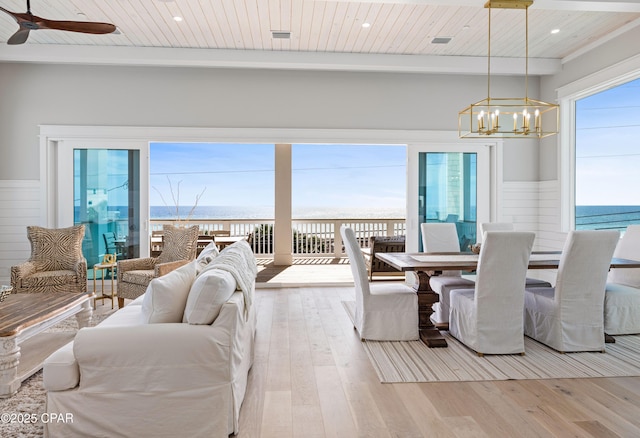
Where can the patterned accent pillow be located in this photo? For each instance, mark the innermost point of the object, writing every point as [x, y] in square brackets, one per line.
[179, 243]
[56, 249]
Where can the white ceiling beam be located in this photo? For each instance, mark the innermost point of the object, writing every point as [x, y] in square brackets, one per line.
[156, 56]
[559, 5]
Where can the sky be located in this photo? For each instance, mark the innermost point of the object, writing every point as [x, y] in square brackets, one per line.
[324, 176]
[608, 147]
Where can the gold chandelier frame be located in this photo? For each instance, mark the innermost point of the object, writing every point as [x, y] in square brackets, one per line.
[513, 117]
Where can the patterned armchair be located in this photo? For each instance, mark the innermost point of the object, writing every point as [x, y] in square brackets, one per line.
[56, 263]
[134, 275]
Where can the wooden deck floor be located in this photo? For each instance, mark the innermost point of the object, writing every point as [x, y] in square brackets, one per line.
[310, 272]
[323, 271]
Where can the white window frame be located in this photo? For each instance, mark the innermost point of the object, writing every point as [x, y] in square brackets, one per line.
[605, 79]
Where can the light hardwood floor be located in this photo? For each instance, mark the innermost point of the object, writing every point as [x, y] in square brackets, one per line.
[311, 378]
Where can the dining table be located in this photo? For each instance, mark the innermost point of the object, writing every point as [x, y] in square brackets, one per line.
[427, 265]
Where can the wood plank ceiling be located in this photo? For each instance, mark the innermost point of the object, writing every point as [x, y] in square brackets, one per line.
[396, 26]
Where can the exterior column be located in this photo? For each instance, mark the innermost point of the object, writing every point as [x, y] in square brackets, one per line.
[282, 236]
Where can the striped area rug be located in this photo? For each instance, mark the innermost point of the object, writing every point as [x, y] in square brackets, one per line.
[413, 361]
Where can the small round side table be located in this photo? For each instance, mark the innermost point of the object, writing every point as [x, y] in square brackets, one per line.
[102, 267]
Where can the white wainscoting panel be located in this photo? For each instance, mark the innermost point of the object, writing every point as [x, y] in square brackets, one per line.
[20, 201]
[535, 206]
[551, 236]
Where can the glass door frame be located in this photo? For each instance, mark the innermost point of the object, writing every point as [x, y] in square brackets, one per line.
[64, 193]
[488, 176]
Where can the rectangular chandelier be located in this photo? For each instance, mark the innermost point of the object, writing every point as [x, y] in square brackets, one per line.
[509, 117]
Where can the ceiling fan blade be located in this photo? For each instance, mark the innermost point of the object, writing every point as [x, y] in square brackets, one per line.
[6, 11]
[28, 21]
[19, 37]
[21, 17]
[76, 26]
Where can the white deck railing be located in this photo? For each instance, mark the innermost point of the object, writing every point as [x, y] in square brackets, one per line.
[311, 237]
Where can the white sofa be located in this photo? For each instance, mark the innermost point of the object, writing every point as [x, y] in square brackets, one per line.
[128, 377]
[622, 295]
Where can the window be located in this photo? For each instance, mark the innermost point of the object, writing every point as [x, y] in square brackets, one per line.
[607, 158]
[106, 199]
[348, 181]
[448, 186]
[225, 180]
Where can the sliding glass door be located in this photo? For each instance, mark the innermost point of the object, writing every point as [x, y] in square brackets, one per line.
[448, 183]
[105, 190]
[448, 192]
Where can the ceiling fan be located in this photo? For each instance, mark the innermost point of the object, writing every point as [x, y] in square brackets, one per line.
[28, 22]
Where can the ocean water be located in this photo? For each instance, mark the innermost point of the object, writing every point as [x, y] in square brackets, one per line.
[267, 212]
[606, 217]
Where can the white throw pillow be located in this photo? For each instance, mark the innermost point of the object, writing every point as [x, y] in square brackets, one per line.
[208, 293]
[166, 296]
[205, 257]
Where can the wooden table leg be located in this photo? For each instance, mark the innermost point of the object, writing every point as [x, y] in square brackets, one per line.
[429, 334]
[9, 358]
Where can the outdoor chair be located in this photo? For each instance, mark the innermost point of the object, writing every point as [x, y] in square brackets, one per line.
[622, 294]
[382, 244]
[203, 241]
[111, 245]
[508, 226]
[384, 312]
[56, 263]
[156, 243]
[570, 316]
[179, 248]
[488, 319]
[443, 237]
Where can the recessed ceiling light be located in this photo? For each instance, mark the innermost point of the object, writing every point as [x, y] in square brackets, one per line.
[366, 25]
[554, 31]
[178, 19]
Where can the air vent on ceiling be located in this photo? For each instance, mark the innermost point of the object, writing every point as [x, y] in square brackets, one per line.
[280, 34]
[441, 40]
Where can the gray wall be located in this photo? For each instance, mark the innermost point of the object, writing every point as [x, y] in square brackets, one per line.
[35, 94]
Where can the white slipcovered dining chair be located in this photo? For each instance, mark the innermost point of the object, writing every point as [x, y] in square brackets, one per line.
[508, 226]
[443, 237]
[622, 294]
[570, 316]
[384, 311]
[496, 226]
[488, 319]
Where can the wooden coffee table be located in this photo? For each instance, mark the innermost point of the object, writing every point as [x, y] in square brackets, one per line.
[25, 315]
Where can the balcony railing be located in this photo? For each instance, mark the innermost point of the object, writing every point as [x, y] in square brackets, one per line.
[310, 237]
